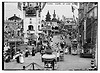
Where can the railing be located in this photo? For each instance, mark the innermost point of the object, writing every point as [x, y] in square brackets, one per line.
[33, 66]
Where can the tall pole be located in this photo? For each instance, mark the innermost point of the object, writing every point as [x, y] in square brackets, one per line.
[36, 22]
[33, 65]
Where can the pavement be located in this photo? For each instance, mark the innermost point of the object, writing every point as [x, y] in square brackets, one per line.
[74, 62]
[70, 61]
[27, 61]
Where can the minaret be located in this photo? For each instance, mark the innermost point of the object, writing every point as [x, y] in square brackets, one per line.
[54, 15]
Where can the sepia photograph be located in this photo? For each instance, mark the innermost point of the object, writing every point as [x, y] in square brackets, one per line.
[49, 36]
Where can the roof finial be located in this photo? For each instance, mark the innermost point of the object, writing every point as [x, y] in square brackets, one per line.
[54, 15]
[14, 14]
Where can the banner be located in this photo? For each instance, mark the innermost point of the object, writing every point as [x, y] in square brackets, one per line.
[43, 5]
[19, 6]
[73, 9]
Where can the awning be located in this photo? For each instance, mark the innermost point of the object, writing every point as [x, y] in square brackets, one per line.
[47, 56]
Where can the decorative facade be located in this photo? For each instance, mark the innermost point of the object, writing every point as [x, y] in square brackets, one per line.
[88, 22]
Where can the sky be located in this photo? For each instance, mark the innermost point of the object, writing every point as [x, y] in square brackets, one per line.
[60, 9]
[10, 9]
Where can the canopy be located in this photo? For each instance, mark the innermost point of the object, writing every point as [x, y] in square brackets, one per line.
[14, 18]
[48, 56]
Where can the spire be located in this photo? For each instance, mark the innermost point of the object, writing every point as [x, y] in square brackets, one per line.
[48, 14]
[54, 15]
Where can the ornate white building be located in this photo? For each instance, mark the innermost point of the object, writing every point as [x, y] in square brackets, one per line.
[31, 19]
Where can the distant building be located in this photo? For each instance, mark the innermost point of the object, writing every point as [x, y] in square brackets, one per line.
[48, 17]
[54, 20]
[13, 27]
[53, 23]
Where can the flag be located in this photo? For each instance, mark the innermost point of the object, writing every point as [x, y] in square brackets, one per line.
[19, 5]
[75, 3]
[43, 5]
[73, 9]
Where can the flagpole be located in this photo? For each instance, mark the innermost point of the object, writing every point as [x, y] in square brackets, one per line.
[22, 9]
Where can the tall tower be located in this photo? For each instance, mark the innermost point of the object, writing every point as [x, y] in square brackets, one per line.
[54, 20]
[54, 15]
[31, 18]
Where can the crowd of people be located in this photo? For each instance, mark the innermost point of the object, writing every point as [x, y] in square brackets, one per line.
[10, 53]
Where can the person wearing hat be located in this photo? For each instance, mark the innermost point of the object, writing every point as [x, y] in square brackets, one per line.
[33, 51]
[26, 52]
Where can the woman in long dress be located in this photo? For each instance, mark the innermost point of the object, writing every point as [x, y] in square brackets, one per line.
[21, 58]
[17, 57]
